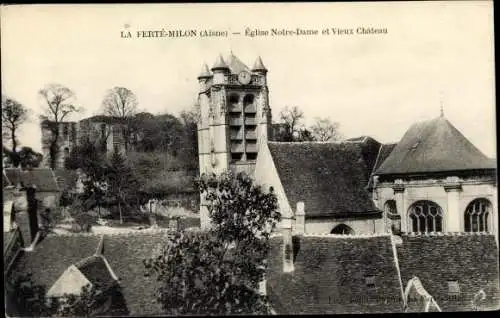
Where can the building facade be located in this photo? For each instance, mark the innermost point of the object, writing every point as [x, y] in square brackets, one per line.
[235, 117]
[106, 131]
[435, 180]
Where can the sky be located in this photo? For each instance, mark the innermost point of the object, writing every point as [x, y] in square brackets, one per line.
[434, 54]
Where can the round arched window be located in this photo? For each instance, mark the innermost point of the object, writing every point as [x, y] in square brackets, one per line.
[425, 216]
[476, 216]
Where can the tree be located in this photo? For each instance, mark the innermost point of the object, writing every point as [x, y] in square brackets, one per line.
[26, 157]
[217, 272]
[14, 115]
[121, 184]
[291, 120]
[121, 102]
[60, 102]
[325, 130]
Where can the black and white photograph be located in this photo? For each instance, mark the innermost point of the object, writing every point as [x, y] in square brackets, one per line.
[249, 159]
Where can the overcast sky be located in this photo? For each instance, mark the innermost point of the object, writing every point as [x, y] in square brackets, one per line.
[375, 85]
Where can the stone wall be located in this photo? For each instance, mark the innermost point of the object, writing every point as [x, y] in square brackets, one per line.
[434, 190]
[326, 225]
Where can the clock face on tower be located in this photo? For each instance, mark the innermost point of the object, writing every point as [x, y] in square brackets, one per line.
[244, 77]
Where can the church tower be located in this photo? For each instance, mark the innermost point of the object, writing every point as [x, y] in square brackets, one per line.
[234, 117]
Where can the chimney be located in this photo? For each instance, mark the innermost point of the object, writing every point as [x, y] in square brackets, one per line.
[300, 218]
[287, 245]
[28, 220]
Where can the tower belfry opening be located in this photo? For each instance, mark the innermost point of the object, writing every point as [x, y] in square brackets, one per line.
[234, 115]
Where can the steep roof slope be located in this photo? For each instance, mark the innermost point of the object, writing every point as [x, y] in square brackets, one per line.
[330, 178]
[235, 64]
[469, 259]
[432, 146]
[330, 276]
[124, 252]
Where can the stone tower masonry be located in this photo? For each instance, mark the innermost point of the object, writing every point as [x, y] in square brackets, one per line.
[234, 117]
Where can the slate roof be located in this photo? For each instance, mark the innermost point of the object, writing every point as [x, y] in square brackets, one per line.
[95, 270]
[14, 175]
[433, 146]
[330, 178]
[329, 276]
[235, 64]
[336, 266]
[384, 152]
[469, 259]
[43, 178]
[124, 252]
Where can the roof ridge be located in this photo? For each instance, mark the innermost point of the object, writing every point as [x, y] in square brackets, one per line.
[351, 236]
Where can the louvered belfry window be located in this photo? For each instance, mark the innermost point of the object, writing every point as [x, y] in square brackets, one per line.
[476, 216]
[425, 217]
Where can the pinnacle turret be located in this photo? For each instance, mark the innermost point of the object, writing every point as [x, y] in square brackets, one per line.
[259, 66]
[220, 64]
[204, 71]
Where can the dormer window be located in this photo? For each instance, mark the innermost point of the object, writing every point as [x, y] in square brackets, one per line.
[370, 281]
[453, 288]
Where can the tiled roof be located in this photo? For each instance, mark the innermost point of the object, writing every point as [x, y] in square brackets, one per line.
[124, 253]
[330, 276]
[43, 178]
[95, 270]
[471, 260]
[330, 178]
[235, 64]
[433, 146]
[384, 152]
[53, 255]
[219, 63]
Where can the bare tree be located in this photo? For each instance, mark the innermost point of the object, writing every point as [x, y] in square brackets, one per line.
[324, 129]
[291, 120]
[121, 102]
[13, 115]
[60, 102]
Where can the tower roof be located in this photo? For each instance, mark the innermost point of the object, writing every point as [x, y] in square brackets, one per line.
[205, 72]
[235, 64]
[434, 146]
[258, 65]
[219, 64]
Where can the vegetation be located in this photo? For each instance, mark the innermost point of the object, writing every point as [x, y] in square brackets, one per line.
[14, 114]
[59, 102]
[291, 120]
[217, 272]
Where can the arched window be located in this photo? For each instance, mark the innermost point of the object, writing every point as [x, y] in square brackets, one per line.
[426, 216]
[476, 216]
[248, 103]
[342, 229]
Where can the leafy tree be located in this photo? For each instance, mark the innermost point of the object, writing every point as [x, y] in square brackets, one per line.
[121, 184]
[121, 102]
[26, 157]
[325, 130]
[59, 103]
[14, 114]
[90, 161]
[218, 271]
